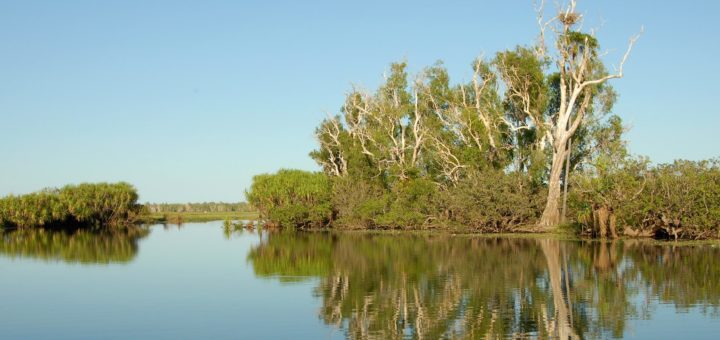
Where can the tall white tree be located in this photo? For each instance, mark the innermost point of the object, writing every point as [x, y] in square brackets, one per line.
[576, 58]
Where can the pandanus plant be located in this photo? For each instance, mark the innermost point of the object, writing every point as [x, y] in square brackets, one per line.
[90, 205]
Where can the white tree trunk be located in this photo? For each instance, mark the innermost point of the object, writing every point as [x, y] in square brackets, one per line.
[551, 214]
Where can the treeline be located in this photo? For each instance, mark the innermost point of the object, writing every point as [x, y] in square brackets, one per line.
[493, 154]
[87, 205]
[632, 197]
[205, 207]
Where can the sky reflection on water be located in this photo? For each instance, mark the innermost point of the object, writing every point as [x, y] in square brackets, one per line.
[198, 282]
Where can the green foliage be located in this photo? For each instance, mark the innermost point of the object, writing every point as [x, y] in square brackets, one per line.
[610, 178]
[94, 206]
[678, 199]
[358, 202]
[421, 152]
[578, 41]
[35, 209]
[493, 201]
[426, 128]
[682, 196]
[101, 204]
[292, 198]
[413, 205]
[488, 200]
[527, 66]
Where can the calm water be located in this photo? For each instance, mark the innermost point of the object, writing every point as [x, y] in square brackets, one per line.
[198, 282]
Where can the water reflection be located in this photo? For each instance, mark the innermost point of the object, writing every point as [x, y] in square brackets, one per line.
[391, 287]
[79, 246]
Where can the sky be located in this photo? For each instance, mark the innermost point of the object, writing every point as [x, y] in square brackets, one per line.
[187, 100]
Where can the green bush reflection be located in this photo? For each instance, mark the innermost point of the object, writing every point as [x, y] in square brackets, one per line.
[443, 286]
[77, 246]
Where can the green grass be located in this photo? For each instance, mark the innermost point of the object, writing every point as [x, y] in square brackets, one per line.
[182, 217]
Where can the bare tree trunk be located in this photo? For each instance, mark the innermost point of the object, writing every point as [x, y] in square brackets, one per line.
[551, 214]
[567, 178]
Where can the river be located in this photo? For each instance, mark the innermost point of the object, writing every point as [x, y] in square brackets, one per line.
[198, 281]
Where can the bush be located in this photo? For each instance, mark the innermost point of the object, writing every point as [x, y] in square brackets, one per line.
[35, 209]
[414, 205]
[489, 200]
[101, 204]
[409, 204]
[494, 201]
[679, 200]
[358, 202]
[85, 205]
[292, 198]
[600, 197]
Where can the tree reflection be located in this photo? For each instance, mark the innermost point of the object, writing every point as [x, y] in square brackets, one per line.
[78, 246]
[440, 286]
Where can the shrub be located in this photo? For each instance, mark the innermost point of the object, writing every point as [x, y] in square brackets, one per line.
[413, 205]
[102, 203]
[679, 200]
[492, 200]
[358, 202]
[35, 209]
[600, 196]
[488, 200]
[85, 205]
[292, 198]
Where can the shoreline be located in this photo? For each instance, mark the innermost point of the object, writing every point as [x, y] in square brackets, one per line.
[561, 234]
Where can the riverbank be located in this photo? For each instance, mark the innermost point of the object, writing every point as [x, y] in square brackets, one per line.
[562, 233]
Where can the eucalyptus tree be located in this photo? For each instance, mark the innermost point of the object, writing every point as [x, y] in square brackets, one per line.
[385, 127]
[580, 76]
[466, 129]
[424, 128]
[518, 113]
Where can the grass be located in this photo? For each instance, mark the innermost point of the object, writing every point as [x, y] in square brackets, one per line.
[181, 217]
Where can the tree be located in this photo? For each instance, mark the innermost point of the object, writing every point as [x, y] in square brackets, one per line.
[580, 74]
[428, 129]
[421, 128]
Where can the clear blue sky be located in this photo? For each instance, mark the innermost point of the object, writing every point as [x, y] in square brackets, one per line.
[188, 100]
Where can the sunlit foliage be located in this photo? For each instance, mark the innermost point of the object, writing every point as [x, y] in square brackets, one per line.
[96, 206]
[292, 198]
